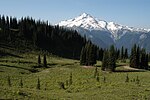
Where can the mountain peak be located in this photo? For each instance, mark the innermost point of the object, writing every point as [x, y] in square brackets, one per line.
[85, 15]
[86, 21]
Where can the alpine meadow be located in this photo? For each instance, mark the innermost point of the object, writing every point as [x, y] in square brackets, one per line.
[81, 58]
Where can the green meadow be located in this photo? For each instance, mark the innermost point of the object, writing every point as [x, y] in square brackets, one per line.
[19, 78]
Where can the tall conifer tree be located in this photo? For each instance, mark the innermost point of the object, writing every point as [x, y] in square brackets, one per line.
[83, 56]
[44, 61]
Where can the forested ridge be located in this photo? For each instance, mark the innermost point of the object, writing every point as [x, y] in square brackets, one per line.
[36, 34]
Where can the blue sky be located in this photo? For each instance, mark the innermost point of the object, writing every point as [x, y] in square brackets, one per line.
[134, 13]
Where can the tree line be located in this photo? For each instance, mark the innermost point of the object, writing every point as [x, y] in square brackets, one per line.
[139, 58]
[36, 34]
[90, 54]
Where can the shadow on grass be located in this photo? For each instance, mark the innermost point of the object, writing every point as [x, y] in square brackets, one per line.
[19, 61]
[2, 54]
[31, 70]
[52, 64]
[124, 71]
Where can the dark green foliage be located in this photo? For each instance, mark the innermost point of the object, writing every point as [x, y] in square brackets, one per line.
[146, 62]
[44, 61]
[143, 56]
[87, 49]
[139, 58]
[122, 52]
[39, 60]
[126, 53]
[97, 77]
[105, 60]
[100, 54]
[38, 84]
[148, 57]
[133, 58]
[117, 53]
[70, 79]
[21, 83]
[9, 81]
[88, 54]
[95, 72]
[112, 59]
[92, 55]
[127, 78]
[109, 60]
[28, 33]
[83, 56]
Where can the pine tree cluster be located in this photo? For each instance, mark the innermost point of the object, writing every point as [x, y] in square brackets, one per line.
[122, 53]
[44, 61]
[109, 59]
[36, 34]
[139, 58]
[89, 54]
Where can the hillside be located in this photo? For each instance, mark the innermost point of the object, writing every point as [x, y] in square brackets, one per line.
[84, 86]
[27, 34]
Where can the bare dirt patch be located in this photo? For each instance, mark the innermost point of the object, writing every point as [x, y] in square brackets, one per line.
[88, 66]
[130, 68]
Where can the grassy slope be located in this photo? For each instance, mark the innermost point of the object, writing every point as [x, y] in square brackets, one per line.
[84, 85]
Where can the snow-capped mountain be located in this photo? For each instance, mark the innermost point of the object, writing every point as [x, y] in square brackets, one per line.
[85, 21]
[105, 33]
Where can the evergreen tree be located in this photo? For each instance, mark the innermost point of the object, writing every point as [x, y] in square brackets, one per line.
[92, 55]
[9, 81]
[28, 33]
[112, 59]
[21, 83]
[83, 56]
[122, 52]
[101, 52]
[38, 84]
[44, 61]
[39, 60]
[117, 53]
[70, 79]
[109, 59]
[97, 54]
[88, 47]
[149, 57]
[95, 72]
[133, 57]
[97, 77]
[146, 62]
[126, 53]
[138, 57]
[105, 60]
[88, 54]
[142, 59]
